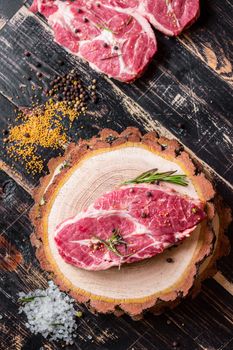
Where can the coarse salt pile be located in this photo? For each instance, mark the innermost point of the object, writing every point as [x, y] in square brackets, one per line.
[50, 312]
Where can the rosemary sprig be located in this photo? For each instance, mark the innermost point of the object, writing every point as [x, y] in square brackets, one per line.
[105, 27]
[153, 176]
[112, 242]
[29, 299]
[110, 57]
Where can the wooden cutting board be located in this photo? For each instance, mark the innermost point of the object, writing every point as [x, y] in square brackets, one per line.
[94, 167]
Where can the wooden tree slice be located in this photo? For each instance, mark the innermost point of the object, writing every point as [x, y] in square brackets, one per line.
[91, 168]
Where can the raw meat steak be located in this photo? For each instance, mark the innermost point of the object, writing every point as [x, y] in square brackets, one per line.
[118, 44]
[170, 17]
[137, 221]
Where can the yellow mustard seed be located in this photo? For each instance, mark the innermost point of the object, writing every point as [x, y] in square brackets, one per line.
[39, 127]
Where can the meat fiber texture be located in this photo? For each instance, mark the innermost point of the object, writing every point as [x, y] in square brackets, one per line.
[115, 43]
[114, 36]
[170, 17]
[147, 218]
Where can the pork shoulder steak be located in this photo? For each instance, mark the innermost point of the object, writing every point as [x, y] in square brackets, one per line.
[116, 43]
[170, 17]
[126, 225]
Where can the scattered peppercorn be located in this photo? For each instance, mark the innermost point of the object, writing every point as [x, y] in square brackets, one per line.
[40, 127]
[170, 260]
[175, 344]
[149, 194]
[180, 126]
[71, 90]
[43, 126]
[27, 53]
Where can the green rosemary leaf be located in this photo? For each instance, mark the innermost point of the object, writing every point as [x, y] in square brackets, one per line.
[112, 242]
[153, 176]
[104, 27]
[29, 299]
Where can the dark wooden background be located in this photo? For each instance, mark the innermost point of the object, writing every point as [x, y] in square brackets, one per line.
[186, 93]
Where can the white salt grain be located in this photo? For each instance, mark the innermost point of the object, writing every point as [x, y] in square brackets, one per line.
[50, 313]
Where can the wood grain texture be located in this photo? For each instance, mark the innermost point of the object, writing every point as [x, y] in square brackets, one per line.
[209, 38]
[110, 163]
[188, 90]
[168, 93]
[8, 10]
[105, 332]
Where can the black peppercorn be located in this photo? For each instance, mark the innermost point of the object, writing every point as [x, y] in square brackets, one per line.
[149, 194]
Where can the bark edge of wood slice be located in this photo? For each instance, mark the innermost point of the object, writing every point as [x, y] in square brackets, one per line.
[141, 280]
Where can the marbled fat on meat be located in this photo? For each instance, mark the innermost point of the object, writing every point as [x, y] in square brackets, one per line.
[149, 219]
[116, 43]
[170, 17]
[114, 36]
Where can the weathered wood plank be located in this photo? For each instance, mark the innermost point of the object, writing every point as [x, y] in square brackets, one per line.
[188, 87]
[212, 324]
[162, 101]
[192, 103]
[8, 9]
[229, 346]
[210, 39]
[209, 314]
[154, 339]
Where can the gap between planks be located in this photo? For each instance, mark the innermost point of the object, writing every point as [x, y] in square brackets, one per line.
[139, 114]
[219, 278]
[151, 125]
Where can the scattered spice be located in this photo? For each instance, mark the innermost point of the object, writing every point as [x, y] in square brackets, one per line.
[27, 53]
[111, 243]
[175, 344]
[79, 314]
[70, 88]
[180, 126]
[44, 126]
[39, 127]
[169, 260]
